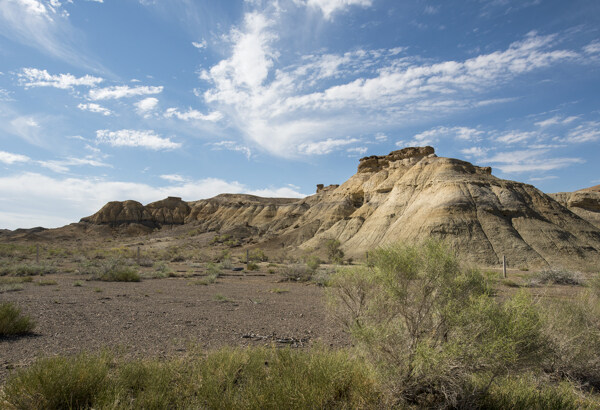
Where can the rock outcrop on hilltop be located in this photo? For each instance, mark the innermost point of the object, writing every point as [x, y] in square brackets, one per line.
[408, 195]
[585, 203]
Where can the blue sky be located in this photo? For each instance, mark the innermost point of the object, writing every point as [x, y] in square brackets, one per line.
[140, 99]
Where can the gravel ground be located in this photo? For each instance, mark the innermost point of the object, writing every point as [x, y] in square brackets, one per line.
[163, 317]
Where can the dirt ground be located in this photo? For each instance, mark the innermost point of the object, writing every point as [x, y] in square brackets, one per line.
[163, 317]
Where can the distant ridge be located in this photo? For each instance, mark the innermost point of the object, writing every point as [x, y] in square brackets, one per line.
[408, 195]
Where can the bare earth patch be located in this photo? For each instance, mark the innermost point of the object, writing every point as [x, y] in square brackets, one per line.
[161, 317]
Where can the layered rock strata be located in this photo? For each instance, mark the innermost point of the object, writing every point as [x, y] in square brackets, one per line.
[408, 195]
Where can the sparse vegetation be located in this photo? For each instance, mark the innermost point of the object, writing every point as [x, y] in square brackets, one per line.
[13, 322]
[252, 266]
[207, 280]
[559, 276]
[334, 253]
[437, 338]
[27, 270]
[227, 378]
[47, 282]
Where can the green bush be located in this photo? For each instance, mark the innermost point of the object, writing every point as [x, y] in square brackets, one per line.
[257, 255]
[115, 270]
[60, 383]
[13, 322]
[313, 262]
[258, 378]
[334, 253]
[252, 266]
[429, 325]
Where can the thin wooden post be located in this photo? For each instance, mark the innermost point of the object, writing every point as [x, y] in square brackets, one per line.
[138, 255]
[37, 253]
[247, 257]
[367, 254]
[504, 265]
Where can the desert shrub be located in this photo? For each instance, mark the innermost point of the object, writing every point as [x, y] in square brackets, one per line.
[252, 266]
[114, 270]
[145, 262]
[13, 322]
[297, 272]
[533, 391]
[313, 262]
[226, 263]
[559, 276]
[213, 269]
[429, 325]
[258, 378]
[47, 282]
[573, 328]
[334, 253]
[207, 280]
[27, 270]
[257, 255]
[162, 270]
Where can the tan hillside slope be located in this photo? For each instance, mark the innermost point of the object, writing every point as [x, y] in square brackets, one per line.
[585, 203]
[408, 195]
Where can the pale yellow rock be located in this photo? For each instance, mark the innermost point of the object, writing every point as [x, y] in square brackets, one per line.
[406, 196]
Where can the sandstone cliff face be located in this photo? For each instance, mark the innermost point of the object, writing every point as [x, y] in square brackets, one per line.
[585, 203]
[408, 195]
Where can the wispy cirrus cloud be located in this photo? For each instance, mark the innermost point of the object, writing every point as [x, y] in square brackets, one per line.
[135, 138]
[123, 91]
[287, 110]
[44, 25]
[329, 7]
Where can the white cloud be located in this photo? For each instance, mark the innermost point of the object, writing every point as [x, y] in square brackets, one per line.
[134, 138]
[357, 150]
[123, 91]
[529, 160]
[93, 107]
[556, 120]
[433, 135]
[283, 108]
[173, 178]
[476, 152]
[191, 114]
[33, 77]
[145, 106]
[5, 95]
[62, 166]
[592, 48]
[588, 132]
[381, 137]
[328, 7]
[45, 26]
[325, 146]
[10, 158]
[199, 45]
[81, 197]
[512, 137]
[232, 146]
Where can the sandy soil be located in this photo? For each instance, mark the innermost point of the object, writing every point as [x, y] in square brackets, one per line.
[161, 317]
